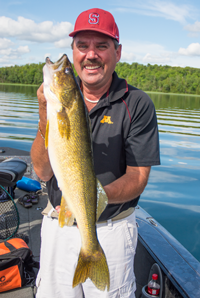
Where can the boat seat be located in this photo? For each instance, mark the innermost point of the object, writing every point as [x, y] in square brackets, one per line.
[11, 170]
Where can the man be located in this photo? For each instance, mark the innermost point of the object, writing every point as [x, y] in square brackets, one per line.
[125, 146]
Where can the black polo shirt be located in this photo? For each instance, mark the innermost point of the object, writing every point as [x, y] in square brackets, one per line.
[124, 132]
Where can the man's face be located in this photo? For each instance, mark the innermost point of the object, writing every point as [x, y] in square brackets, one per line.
[95, 58]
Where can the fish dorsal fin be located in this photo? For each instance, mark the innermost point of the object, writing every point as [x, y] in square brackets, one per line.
[102, 199]
[47, 134]
[63, 123]
[66, 218]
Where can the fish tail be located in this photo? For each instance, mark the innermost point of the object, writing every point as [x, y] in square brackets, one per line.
[94, 267]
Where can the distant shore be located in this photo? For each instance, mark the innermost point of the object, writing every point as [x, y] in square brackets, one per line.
[170, 93]
[154, 92]
[155, 78]
[17, 84]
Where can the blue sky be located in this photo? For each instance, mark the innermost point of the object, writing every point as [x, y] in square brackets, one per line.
[151, 31]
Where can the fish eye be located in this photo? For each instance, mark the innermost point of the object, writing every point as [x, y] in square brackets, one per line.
[68, 70]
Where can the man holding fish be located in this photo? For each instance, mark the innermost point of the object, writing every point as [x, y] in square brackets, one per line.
[97, 140]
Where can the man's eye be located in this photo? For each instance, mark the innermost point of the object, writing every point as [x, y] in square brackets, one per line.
[102, 47]
[82, 47]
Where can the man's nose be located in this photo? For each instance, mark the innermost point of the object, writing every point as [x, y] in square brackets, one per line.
[91, 53]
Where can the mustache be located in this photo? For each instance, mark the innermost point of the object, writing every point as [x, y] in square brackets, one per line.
[91, 62]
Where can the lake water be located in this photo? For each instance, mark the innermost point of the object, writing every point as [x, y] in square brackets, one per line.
[172, 195]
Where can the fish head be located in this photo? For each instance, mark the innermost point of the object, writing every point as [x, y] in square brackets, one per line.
[59, 81]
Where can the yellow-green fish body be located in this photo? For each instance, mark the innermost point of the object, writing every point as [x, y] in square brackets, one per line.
[68, 140]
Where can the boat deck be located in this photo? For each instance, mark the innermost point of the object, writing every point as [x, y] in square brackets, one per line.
[30, 218]
[29, 228]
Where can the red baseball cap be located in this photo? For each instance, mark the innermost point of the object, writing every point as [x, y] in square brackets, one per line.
[96, 19]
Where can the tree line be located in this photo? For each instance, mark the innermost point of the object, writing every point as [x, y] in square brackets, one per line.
[161, 78]
[146, 77]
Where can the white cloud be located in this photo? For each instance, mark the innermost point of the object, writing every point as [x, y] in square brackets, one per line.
[5, 43]
[128, 56]
[142, 47]
[156, 59]
[12, 52]
[145, 52]
[192, 50]
[26, 29]
[193, 28]
[63, 43]
[169, 10]
[5, 62]
[23, 49]
[6, 52]
[157, 8]
[153, 53]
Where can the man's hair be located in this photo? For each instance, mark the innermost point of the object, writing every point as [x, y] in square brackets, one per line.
[116, 44]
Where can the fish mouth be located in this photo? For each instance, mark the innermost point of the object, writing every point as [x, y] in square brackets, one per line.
[57, 76]
[48, 61]
[62, 63]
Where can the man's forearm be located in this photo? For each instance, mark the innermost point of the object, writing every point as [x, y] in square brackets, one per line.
[40, 159]
[129, 186]
[39, 154]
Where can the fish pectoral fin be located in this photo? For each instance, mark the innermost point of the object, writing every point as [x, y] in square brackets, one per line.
[63, 124]
[102, 199]
[47, 134]
[66, 218]
[95, 268]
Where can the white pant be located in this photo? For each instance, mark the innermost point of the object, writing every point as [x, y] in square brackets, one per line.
[60, 249]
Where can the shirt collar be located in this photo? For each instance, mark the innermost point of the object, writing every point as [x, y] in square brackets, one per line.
[116, 91]
[118, 88]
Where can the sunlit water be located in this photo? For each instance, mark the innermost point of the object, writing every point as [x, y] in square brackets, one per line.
[172, 195]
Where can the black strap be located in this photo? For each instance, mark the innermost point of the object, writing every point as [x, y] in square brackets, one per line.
[34, 264]
[8, 256]
[9, 246]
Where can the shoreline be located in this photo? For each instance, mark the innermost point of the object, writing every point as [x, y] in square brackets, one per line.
[154, 92]
[18, 84]
[170, 93]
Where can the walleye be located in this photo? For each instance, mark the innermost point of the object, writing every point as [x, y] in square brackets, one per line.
[68, 139]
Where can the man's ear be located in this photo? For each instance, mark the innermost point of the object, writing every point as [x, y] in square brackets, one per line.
[118, 52]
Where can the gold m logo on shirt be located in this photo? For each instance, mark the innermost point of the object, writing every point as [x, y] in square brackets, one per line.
[106, 119]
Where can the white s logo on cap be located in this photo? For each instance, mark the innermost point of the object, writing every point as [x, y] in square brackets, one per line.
[93, 18]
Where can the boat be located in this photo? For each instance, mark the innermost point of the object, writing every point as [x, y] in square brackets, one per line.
[157, 250]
